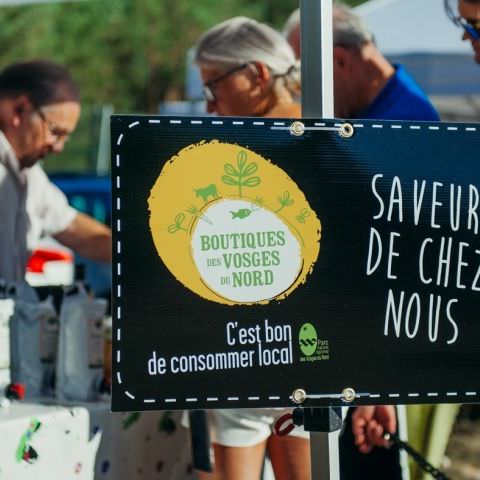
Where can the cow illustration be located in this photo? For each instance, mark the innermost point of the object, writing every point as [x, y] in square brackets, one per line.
[210, 191]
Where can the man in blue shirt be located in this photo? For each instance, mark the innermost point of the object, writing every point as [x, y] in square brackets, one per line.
[400, 99]
[366, 84]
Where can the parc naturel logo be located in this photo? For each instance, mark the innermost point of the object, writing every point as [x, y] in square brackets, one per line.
[308, 339]
[313, 348]
[231, 226]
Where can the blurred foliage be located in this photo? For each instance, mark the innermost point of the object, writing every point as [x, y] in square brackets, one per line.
[127, 52]
[130, 53]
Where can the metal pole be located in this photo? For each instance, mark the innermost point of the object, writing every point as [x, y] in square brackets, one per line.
[324, 455]
[402, 431]
[103, 151]
[317, 101]
[317, 58]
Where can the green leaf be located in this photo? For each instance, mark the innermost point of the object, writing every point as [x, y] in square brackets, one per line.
[231, 170]
[251, 182]
[179, 218]
[229, 181]
[241, 160]
[250, 170]
[172, 229]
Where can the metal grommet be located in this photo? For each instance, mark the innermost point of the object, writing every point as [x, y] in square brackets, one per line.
[348, 395]
[299, 395]
[346, 130]
[297, 128]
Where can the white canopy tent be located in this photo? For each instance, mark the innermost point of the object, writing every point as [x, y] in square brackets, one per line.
[412, 26]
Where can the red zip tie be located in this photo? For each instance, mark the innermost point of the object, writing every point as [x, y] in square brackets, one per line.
[277, 427]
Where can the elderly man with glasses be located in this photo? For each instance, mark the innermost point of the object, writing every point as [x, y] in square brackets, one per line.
[39, 109]
[366, 84]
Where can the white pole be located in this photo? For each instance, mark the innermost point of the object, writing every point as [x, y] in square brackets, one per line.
[317, 101]
[317, 58]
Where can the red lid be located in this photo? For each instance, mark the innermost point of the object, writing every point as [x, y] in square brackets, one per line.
[15, 391]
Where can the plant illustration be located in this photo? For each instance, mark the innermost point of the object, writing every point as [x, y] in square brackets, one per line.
[257, 204]
[302, 216]
[284, 201]
[238, 176]
[175, 227]
[193, 210]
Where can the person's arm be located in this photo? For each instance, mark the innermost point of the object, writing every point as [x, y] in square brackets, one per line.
[369, 425]
[48, 206]
[87, 237]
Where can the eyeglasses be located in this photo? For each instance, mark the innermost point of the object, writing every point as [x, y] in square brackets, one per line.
[209, 87]
[470, 26]
[55, 131]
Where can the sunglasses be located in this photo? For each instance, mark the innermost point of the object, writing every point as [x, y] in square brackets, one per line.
[470, 26]
[209, 87]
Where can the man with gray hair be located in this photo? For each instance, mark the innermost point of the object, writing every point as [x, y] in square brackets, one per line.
[366, 85]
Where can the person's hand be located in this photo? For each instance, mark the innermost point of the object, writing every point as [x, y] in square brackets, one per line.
[369, 425]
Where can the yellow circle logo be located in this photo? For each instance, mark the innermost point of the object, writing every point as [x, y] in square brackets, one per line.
[231, 226]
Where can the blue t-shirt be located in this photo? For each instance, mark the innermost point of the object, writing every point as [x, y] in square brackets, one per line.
[400, 99]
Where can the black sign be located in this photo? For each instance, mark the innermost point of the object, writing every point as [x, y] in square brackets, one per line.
[252, 260]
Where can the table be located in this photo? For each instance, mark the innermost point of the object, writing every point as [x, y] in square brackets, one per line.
[84, 441]
[46, 442]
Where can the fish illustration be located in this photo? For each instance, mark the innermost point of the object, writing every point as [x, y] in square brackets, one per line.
[241, 214]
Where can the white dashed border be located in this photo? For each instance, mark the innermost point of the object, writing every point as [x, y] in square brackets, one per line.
[274, 125]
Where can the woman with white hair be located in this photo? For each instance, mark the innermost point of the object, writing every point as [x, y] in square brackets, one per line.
[248, 69]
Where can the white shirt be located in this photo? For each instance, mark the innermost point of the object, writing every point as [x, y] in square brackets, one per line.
[30, 207]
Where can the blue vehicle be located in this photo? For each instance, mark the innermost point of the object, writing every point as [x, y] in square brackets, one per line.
[90, 194]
